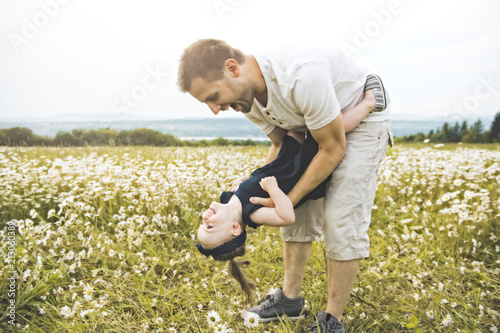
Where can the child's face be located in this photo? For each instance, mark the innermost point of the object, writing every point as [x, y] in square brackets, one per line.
[218, 225]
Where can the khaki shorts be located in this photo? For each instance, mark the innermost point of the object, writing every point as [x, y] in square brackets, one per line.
[344, 214]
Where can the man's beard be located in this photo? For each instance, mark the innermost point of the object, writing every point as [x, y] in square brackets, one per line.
[245, 97]
[241, 106]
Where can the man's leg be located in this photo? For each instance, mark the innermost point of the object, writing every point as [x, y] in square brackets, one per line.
[348, 204]
[297, 245]
[295, 255]
[286, 300]
[340, 280]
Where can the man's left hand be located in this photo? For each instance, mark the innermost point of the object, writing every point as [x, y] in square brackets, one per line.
[266, 202]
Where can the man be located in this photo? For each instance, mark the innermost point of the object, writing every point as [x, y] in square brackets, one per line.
[303, 87]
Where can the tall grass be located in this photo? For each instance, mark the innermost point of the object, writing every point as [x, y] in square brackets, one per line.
[105, 243]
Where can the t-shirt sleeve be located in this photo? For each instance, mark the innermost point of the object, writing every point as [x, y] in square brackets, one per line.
[314, 94]
[260, 121]
[225, 197]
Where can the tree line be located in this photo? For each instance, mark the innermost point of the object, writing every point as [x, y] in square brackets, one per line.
[474, 133]
[21, 136]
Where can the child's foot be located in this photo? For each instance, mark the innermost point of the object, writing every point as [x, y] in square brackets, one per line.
[374, 82]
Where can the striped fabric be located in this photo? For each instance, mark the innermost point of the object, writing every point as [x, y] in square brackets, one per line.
[374, 82]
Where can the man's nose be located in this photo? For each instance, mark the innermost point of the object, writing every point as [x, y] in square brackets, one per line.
[214, 107]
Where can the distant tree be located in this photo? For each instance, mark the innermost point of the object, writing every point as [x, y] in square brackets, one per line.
[66, 139]
[248, 142]
[78, 135]
[455, 135]
[123, 138]
[446, 133]
[4, 141]
[220, 142]
[473, 136]
[431, 135]
[419, 137]
[495, 129]
[101, 137]
[478, 125]
[439, 136]
[166, 140]
[465, 129]
[143, 136]
[21, 136]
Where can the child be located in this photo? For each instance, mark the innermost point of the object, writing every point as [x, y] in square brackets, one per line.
[222, 230]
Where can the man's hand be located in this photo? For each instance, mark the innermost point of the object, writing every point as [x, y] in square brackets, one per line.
[266, 202]
[237, 183]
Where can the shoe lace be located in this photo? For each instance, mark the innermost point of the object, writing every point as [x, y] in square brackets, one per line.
[323, 328]
[269, 302]
[312, 328]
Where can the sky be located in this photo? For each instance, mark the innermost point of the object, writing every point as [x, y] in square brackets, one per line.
[120, 57]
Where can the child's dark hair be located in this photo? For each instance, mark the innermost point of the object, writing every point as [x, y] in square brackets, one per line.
[235, 268]
[227, 252]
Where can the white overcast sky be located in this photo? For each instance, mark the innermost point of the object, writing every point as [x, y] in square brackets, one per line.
[85, 56]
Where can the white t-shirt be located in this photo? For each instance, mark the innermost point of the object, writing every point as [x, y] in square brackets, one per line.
[308, 85]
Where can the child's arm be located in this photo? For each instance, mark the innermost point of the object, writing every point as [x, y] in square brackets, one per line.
[282, 213]
[354, 116]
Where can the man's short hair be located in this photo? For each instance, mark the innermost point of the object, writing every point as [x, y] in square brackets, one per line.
[205, 58]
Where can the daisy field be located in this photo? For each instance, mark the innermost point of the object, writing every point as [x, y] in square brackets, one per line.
[103, 240]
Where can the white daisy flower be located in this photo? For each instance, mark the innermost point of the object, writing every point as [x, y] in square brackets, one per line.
[66, 312]
[251, 319]
[213, 318]
[447, 321]
[87, 292]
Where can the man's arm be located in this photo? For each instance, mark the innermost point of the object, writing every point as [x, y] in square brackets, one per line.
[331, 141]
[276, 137]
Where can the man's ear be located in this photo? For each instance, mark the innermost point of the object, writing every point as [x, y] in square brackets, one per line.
[232, 67]
[236, 229]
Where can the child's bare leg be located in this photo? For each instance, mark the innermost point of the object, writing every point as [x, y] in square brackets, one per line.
[355, 115]
[375, 100]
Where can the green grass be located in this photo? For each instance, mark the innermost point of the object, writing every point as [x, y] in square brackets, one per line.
[129, 216]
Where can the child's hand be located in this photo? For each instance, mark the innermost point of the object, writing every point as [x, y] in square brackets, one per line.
[268, 183]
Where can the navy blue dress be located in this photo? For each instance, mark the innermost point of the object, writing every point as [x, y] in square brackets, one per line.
[293, 159]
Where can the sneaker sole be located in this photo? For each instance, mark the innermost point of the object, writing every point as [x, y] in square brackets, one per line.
[269, 319]
[380, 93]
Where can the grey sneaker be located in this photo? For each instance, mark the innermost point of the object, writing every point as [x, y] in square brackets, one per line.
[374, 82]
[326, 323]
[276, 305]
